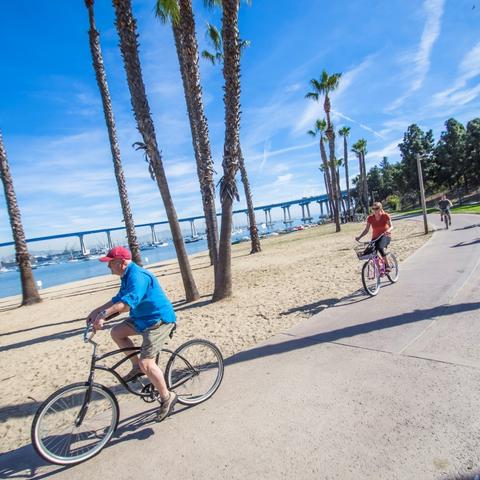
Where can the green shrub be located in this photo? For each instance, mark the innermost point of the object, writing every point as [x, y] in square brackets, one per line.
[393, 203]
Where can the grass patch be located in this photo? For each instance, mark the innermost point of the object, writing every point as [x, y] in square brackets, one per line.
[415, 211]
[467, 209]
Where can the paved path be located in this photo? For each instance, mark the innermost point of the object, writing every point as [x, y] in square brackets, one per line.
[372, 388]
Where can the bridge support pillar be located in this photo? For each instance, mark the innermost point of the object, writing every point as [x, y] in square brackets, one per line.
[287, 219]
[154, 235]
[109, 240]
[193, 230]
[82, 245]
[309, 216]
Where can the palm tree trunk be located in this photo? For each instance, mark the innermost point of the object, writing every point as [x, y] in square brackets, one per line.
[187, 50]
[231, 148]
[326, 172]
[327, 189]
[331, 144]
[126, 27]
[112, 134]
[347, 180]
[255, 240]
[340, 197]
[365, 182]
[29, 289]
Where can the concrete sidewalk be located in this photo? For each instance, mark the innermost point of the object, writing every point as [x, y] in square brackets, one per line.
[371, 388]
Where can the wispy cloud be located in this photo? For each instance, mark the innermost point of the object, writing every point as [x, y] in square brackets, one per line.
[468, 69]
[388, 150]
[419, 61]
[361, 125]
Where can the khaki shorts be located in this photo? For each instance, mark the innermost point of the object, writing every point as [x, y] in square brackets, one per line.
[154, 338]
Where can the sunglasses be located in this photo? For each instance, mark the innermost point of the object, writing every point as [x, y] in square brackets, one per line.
[375, 208]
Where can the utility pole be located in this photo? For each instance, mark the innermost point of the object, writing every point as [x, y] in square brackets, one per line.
[422, 193]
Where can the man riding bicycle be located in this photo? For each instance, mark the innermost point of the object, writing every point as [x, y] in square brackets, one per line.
[445, 205]
[381, 224]
[151, 315]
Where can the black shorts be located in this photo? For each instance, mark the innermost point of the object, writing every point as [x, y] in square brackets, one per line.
[382, 243]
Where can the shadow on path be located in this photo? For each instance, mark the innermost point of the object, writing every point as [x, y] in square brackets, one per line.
[351, 331]
[465, 244]
[24, 462]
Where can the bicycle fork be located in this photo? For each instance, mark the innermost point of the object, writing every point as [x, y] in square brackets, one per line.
[88, 394]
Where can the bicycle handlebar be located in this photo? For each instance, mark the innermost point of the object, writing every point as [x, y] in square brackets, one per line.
[89, 328]
[373, 240]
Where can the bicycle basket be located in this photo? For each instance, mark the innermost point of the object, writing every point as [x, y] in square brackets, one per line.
[363, 253]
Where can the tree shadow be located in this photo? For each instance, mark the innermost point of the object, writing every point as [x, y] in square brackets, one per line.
[351, 331]
[465, 244]
[42, 326]
[467, 227]
[24, 462]
[463, 476]
[316, 307]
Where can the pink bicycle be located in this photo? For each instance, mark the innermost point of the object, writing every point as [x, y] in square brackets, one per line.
[374, 268]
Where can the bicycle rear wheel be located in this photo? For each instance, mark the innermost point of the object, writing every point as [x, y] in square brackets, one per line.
[445, 219]
[195, 371]
[58, 439]
[371, 277]
[393, 264]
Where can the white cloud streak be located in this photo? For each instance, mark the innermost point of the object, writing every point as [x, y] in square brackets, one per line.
[420, 60]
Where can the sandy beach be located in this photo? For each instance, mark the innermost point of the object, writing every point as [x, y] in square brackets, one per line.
[294, 277]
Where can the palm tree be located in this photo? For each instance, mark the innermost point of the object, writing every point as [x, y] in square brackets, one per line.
[360, 149]
[231, 147]
[323, 86]
[99, 68]
[29, 289]
[180, 14]
[127, 31]
[319, 129]
[345, 132]
[216, 39]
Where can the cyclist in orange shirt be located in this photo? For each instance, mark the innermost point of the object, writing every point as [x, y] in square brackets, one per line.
[381, 224]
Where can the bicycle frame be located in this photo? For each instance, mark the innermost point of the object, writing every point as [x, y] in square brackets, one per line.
[112, 370]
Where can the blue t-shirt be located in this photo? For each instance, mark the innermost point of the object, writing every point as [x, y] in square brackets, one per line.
[148, 303]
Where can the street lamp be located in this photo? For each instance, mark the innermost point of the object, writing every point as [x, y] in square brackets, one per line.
[422, 193]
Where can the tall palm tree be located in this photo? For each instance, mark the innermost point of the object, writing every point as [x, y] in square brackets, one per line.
[360, 149]
[127, 31]
[101, 76]
[215, 38]
[324, 86]
[29, 289]
[319, 129]
[345, 132]
[181, 16]
[231, 147]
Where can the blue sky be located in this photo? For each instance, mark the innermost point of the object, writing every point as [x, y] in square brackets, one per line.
[403, 61]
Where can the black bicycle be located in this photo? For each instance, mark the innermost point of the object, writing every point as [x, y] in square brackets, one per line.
[446, 217]
[77, 421]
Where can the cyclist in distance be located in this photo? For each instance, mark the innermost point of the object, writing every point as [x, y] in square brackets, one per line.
[151, 316]
[445, 205]
[381, 224]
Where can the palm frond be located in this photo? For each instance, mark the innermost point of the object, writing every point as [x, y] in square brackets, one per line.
[142, 146]
[167, 10]
[209, 56]
[212, 3]
[313, 95]
[312, 133]
[215, 36]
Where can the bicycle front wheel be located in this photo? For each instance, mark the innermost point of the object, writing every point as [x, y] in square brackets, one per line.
[195, 371]
[370, 277]
[57, 434]
[393, 264]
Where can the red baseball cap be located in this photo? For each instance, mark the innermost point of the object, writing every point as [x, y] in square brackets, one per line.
[121, 253]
